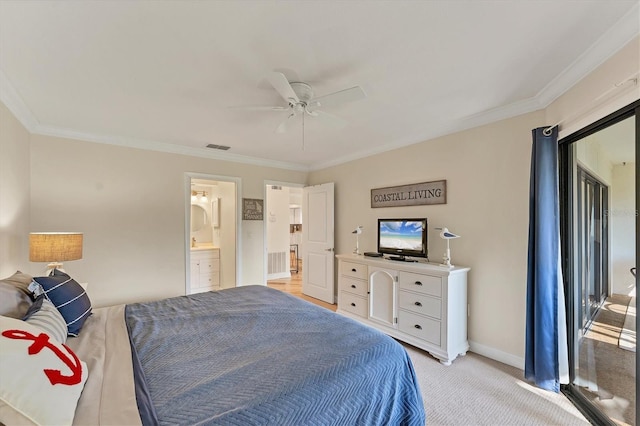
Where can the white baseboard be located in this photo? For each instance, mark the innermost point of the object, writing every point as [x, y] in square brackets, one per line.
[278, 276]
[498, 355]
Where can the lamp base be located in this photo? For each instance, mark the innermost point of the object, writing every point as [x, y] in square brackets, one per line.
[53, 266]
[446, 258]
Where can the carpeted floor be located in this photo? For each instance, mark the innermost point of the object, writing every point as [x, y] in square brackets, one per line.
[476, 390]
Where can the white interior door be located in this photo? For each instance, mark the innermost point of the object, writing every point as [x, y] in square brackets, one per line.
[317, 239]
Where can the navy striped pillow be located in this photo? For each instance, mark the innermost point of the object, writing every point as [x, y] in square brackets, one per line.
[68, 297]
[45, 316]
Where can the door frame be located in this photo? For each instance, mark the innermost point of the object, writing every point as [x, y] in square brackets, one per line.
[265, 255]
[568, 201]
[188, 177]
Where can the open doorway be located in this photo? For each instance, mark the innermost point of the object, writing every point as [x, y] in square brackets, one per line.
[211, 233]
[308, 243]
[283, 230]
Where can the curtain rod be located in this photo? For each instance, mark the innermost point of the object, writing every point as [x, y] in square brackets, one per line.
[633, 77]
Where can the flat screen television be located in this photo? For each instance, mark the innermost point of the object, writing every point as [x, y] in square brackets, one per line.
[402, 238]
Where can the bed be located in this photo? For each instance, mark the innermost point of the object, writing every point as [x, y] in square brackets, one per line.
[243, 356]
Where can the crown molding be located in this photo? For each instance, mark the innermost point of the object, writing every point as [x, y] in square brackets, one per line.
[614, 39]
[438, 130]
[12, 99]
[151, 145]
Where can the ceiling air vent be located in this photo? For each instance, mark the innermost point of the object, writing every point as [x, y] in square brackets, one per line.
[220, 147]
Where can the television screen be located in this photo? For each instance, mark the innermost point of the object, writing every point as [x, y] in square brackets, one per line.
[403, 237]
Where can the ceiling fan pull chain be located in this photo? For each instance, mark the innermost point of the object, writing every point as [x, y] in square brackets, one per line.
[303, 131]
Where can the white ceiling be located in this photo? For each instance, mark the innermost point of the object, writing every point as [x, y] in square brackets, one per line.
[162, 75]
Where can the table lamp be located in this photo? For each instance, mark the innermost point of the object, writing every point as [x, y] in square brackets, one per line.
[446, 235]
[55, 247]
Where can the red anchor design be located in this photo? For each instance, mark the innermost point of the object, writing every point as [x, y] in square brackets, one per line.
[40, 342]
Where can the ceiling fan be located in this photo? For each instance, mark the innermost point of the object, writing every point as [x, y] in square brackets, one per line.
[301, 102]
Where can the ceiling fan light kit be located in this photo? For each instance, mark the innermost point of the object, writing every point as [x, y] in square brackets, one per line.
[300, 99]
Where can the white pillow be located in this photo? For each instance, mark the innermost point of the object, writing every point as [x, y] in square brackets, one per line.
[43, 385]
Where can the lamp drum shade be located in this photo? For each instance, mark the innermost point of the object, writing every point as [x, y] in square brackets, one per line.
[55, 246]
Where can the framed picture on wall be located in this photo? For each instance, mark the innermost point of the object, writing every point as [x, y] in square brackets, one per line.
[252, 209]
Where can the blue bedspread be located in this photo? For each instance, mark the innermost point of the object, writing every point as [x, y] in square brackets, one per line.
[255, 356]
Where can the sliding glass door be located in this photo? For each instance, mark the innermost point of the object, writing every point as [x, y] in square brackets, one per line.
[599, 223]
[593, 259]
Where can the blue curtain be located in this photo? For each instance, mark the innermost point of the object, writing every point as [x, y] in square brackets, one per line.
[546, 362]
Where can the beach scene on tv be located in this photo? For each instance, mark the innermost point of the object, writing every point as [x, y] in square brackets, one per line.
[401, 235]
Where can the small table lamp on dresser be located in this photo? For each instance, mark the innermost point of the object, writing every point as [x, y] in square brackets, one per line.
[55, 247]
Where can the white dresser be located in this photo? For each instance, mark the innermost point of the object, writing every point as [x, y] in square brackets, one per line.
[205, 270]
[422, 304]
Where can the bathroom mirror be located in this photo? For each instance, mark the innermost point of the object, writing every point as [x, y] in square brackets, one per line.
[198, 217]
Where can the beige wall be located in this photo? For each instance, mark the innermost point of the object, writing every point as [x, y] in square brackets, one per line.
[622, 216]
[130, 205]
[487, 173]
[593, 158]
[15, 184]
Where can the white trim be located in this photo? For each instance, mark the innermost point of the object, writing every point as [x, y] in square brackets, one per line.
[498, 355]
[621, 33]
[10, 97]
[151, 145]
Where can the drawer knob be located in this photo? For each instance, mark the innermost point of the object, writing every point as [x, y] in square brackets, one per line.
[353, 270]
[418, 326]
[353, 304]
[418, 283]
[353, 286]
[418, 304]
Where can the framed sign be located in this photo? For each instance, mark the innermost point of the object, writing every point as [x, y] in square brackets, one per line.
[252, 209]
[417, 194]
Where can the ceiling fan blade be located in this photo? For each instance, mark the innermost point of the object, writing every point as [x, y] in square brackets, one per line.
[259, 108]
[282, 127]
[328, 120]
[347, 95]
[281, 84]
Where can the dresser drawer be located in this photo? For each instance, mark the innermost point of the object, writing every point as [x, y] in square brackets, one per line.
[419, 326]
[355, 304]
[353, 286]
[353, 270]
[420, 304]
[427, 284]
